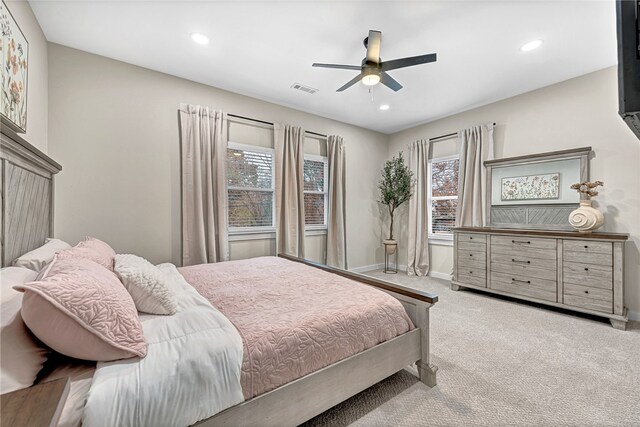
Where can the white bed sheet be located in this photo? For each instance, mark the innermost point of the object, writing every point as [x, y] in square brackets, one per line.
[191, 371]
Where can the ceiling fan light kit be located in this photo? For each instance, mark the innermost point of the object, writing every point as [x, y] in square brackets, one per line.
[373, 70]
[370, 77]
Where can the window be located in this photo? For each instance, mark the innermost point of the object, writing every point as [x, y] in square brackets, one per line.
[250, 187]
[443, 198]
[315, 191]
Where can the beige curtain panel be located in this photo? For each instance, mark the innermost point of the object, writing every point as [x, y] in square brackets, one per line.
[336, 214]
[203, 142]
[289, 143]
[476, 146]
[418, 251]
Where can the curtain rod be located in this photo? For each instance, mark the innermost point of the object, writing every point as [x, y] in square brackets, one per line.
[437, 138]
[449, 135]
[270, 124]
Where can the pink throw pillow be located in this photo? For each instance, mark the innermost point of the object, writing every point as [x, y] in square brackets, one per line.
[81, 309]
[92, 249]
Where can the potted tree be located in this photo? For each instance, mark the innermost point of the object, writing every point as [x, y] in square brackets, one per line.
[395, 189]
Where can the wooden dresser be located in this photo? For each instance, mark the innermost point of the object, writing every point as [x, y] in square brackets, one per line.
[576, 271]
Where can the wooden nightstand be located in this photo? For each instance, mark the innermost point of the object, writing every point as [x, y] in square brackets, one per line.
[36, 406]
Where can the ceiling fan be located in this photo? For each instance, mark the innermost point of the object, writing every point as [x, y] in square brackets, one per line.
[373, 70]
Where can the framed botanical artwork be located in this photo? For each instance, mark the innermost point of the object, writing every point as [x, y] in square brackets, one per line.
[531, 187]
[15, 72]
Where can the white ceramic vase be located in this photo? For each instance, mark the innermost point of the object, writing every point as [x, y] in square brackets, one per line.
[585, 219]
[390, 245]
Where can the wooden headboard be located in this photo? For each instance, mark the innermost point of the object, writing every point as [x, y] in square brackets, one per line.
[26, 186]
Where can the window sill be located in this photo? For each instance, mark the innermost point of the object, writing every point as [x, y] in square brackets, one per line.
[315, 231]
[439, 240]
[237, 235]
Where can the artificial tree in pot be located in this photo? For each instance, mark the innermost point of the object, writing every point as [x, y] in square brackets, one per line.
[395, 187]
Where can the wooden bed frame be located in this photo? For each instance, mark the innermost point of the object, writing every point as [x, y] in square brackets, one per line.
[306, 397]
[26, 205]
[27, 219]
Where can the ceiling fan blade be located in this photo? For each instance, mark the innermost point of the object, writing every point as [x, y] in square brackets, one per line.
[390, 82]
[338, 66]
[408, 62]
[351, 82]
[373, 46]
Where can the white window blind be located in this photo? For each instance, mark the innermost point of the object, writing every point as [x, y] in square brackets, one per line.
[443, 174]
[315, 191]
[250, 185]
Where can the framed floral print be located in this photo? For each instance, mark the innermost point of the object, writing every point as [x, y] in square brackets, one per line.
[531, 187]
[15, 73]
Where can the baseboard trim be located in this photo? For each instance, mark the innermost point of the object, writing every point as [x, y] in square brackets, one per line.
[401, 269]
[366, 268]
[634, 315]
[440, 275]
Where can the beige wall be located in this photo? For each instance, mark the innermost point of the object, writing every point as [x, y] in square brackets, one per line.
[37, 87]
[114, 128]
[575, 113]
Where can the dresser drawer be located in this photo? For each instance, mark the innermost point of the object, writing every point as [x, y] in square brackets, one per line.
[587, 258]
[516, 258]
[479, 273]
[524, 285]
[470, 237]
[472, 256]
[588, 297]
[598, 276]
[473, 246]
[519, 242]
[524, 253]
[525, 270]
[472, 280]
[587, 247]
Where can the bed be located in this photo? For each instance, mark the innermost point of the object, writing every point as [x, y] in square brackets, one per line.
[303, 377]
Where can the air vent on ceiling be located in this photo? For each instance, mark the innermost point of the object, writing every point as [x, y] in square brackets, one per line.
[304, 88]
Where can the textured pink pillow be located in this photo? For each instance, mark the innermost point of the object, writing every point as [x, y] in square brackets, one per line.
[81, 309]
[92, 249]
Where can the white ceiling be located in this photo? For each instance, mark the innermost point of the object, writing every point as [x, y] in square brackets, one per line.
[261, 48]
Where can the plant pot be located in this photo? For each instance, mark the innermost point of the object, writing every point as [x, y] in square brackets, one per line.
[585, 219]
[390, 246]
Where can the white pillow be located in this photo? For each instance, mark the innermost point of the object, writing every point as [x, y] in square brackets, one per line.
[21, 357]
[36, 259]
[148, 286]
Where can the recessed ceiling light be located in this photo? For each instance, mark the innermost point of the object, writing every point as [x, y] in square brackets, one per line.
[384, 107]
[200, 38]
[534, 44]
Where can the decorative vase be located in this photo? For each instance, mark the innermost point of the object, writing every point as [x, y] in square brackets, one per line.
[585, 219]
[390, 245]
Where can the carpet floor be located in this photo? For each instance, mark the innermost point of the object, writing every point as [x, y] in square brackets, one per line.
[506, 363]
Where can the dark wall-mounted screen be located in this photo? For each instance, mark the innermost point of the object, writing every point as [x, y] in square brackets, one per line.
[628, 27]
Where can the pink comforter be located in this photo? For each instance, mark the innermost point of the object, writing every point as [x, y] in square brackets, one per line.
[295, 319]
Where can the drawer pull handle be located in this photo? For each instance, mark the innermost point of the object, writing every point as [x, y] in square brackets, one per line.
[470, 254]
[586, 247]
[521, 241]
[586, 292]
[586, 269]
[523, 262]
[520, 281]
[471, 272]
[470, 238]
